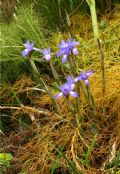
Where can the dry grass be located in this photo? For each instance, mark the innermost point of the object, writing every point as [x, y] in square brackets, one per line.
[50, 130]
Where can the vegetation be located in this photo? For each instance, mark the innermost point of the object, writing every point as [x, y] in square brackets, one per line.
[50, 124]
[5, 160]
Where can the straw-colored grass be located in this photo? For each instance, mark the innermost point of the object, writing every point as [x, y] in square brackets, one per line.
[38, 154]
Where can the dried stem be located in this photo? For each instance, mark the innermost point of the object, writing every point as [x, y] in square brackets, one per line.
[26, 109]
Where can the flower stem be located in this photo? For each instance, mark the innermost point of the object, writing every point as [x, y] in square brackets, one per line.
[34, 68]
[54, 72]
[73, 70]
[37, 76]
[91, 99]
[50, 95]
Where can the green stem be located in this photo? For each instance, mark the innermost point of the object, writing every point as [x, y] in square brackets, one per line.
[91, 4]
[34, 68]
[37, 76]
[91, 99]
[54, 72]
[50, 95]
[73, 70]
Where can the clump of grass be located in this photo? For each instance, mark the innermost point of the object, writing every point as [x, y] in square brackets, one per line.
[55, 11]
[5, 159]
[26, 26]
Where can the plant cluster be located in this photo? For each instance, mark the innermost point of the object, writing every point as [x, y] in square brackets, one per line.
[68, 51]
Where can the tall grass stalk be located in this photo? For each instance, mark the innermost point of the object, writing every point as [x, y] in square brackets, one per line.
[92, 6]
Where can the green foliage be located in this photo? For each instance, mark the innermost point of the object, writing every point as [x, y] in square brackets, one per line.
[5, 159]
[54, 11]
[26, 27]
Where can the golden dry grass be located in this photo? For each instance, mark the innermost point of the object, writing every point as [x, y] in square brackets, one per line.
[38, 155]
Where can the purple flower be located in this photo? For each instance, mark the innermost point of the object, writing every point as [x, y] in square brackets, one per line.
[63, 45]
[70, 80]
[64, 51]
[84, 76]
[67, 90]
[72, 46]
[47, 54]
[66, 48]
[29, 49]
[64, 58]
